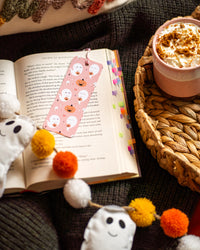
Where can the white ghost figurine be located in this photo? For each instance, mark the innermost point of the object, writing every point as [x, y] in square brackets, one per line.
[15, 134]
[110, 228]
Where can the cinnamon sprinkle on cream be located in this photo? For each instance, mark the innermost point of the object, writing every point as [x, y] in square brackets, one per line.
[179, 45]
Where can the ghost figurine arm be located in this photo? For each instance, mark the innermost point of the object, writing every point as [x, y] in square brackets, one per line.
[85, 245]
[9, 105]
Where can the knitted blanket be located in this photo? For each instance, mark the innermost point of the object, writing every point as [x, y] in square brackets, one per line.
[46, 220]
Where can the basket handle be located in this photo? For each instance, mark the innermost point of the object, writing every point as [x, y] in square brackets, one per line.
[196, 13]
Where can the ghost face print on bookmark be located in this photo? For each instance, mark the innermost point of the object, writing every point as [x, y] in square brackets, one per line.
[73, 96]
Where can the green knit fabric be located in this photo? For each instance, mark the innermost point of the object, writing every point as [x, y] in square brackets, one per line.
[46, 221]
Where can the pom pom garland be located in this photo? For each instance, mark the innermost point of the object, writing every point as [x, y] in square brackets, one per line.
[143, 213]
[77, 193]
[141, 210]
[189, 242]
[174, 223]
[42, 143]
[65, 164]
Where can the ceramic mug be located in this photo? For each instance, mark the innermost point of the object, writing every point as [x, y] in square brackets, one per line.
[179, 82]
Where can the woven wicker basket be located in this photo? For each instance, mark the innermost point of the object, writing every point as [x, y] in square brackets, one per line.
[170, 127]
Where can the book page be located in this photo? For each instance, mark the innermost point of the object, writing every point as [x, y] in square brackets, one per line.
[7, 77]
[95, 141]
[125, 140]
[15, 176]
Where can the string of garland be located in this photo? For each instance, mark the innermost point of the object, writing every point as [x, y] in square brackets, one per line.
[141, 210]
[65, 164]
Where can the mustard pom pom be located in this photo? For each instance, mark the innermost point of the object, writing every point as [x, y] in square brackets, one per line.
[174, 223]
[144, 211]
[42, 143]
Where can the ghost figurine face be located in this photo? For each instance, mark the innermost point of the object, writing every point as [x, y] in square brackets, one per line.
[15, 135]
[111, 228]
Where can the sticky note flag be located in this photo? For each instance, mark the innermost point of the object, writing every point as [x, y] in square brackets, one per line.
[123, 111]
[128, 125]
[131, 142]
[121, 104]
[131, 150]
[120, 69]
[121, 135]
[118, 81]
[114, 81]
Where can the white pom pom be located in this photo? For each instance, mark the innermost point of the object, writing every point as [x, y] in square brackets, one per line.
[9, 105]
[77, 193]
[189, 242]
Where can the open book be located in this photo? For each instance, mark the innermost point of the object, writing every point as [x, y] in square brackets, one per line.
[103, 143]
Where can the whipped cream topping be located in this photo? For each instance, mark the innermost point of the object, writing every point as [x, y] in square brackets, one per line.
[179, 45]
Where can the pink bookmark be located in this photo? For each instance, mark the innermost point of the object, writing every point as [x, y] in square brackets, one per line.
[73, 96]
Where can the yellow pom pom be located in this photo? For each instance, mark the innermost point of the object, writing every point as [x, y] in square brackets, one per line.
[42, 143]
[144, 211]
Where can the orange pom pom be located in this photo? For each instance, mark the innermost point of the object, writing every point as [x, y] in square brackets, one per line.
[65, 164]
[174, 223]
